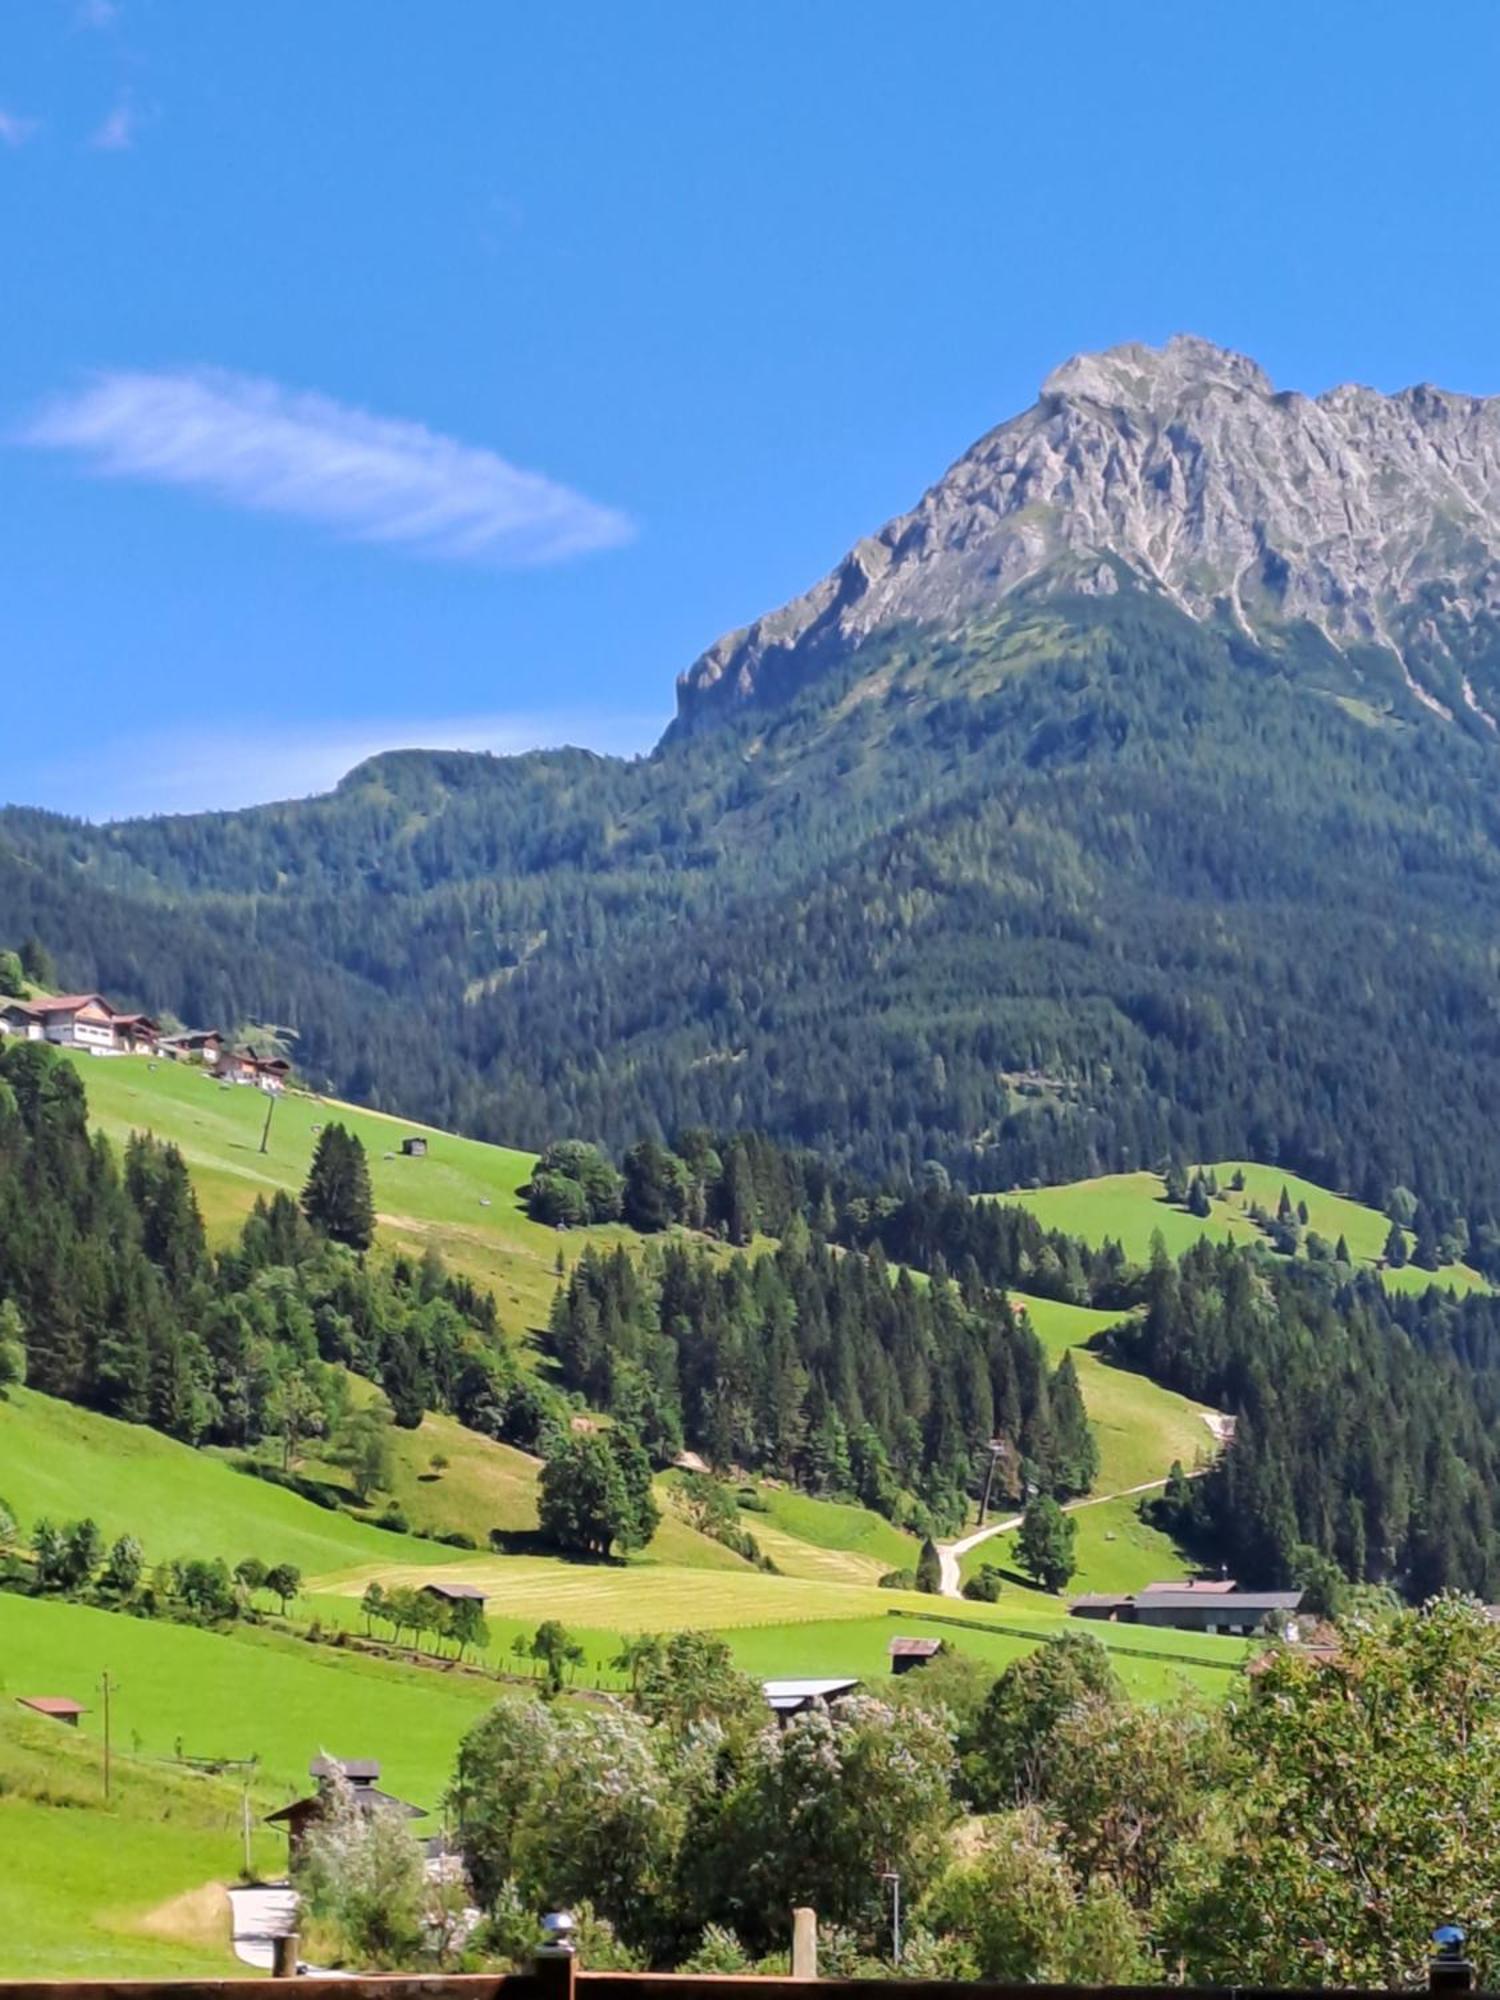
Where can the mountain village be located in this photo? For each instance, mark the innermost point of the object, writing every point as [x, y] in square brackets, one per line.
[88, 1022]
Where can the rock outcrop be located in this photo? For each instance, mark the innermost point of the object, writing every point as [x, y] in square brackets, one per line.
[1180, 470]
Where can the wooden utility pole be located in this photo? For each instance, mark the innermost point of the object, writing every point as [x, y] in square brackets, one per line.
[998, 1449]
[106, 1689]
[265, 1137]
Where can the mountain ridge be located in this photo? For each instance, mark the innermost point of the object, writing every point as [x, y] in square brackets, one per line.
[1181, 471]
[1226, 892]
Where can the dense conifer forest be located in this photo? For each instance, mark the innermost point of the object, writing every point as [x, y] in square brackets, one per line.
[1365, 1424]
[111, 1298]
[1071, 891]
[825, 1369]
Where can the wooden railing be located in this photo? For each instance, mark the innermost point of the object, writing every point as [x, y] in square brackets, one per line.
[560, 1981]
[555, 1975]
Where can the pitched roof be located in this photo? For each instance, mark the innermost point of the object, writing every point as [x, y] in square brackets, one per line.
[1196, 1586]
[358, 1770]
[914, 1649]
[1099, 1600]
[454, 1592]
[76, 1003]
[1231, 1600]
[52, 1704]
[793, 1694]
[365, 1799]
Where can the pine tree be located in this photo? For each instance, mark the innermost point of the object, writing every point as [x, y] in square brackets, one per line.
[1395, 1248]
[337, 1198]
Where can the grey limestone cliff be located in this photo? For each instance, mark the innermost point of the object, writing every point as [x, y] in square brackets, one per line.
[1181, 470]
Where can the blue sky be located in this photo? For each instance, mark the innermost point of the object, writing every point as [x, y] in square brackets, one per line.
[375, 373]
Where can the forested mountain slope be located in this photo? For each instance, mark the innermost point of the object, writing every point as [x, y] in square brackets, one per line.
[1042, 878]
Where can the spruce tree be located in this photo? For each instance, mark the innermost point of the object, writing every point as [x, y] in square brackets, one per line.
[930, 1569]
[36, 963]
[1075, 1449]
[1426, 1254]
[337, 1198]
[1395, 1248]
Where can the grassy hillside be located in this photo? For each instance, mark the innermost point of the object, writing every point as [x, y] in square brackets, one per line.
[125, 1890]
[602, 1600]
[440, 1199]
[248, 1693]
[1115, 1549]
[64, 1462]
[1141, 1428]
[1131, 1208]
[827, 1539]
[480, 1484]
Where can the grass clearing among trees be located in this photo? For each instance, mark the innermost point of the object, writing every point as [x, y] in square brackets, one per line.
[439, 1200]
[1140, 1426]
[1130, 1208]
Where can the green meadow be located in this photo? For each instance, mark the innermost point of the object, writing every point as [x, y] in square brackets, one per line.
[448, 1479]
[1141, 1428]
[827, 1540]
[251, 1692]
[63, 1462]
[124, 1889]
[1115, 1549]
[129, 1890]
[464, 1196]
[1130, 1209]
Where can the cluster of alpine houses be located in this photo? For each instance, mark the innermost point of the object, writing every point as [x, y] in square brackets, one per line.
[88, 1021]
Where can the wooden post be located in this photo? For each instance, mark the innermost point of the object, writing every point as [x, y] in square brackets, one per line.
[284, 1956]
[804, 1944]
[106, 1690]
[1450, 1971]
[553, 1976]
[554, 1967]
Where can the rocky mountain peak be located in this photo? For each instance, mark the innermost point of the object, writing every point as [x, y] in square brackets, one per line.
[1134, 376]
[1182, 471]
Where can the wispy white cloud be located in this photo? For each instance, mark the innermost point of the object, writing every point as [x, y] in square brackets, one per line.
[16, 131]
[115, 133]
[255, 444]
[201, 769]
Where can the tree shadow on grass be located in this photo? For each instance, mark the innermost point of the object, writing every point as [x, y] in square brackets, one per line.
[531, 1542]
